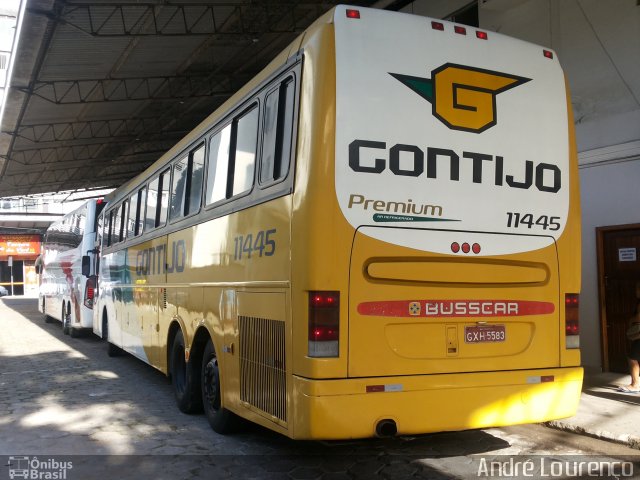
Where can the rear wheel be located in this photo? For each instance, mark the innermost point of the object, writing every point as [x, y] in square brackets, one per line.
[185, 377]
[221, 420]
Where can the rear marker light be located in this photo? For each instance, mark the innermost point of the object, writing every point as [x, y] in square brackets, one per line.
[353, 13]
[89, 292]
[466, 248]
[392, 387]
[324, 324]
[541, 379]
[460, 30]
[481, 35]
[572, 320]
[437, 26]
[547, 53]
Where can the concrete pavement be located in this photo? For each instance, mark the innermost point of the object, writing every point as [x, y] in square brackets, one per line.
[604, 412]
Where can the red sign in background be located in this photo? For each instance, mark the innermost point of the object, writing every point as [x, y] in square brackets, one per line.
[19, 245]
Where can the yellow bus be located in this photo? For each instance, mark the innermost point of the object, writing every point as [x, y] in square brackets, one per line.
[377, 235]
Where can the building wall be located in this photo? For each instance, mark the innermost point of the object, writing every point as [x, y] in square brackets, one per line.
[602, 205]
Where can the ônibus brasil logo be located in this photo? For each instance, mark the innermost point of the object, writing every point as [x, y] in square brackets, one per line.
[462, 97]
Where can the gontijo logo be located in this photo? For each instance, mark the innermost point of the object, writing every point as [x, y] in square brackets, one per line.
[462, 97]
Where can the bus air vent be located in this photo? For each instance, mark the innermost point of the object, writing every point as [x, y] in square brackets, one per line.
[263, 382]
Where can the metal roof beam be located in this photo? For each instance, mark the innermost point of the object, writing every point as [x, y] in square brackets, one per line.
[152, 19]
[93, 129]
[141, 88]
[44, 156]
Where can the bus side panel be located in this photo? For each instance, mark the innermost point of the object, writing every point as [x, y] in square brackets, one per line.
[231, 275]
[570, 243]
[321, 237]
[142, 299]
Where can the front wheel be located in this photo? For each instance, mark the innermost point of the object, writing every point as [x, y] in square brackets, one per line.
[184, 378]
[112, 350]
[221, 420]
[47, 318]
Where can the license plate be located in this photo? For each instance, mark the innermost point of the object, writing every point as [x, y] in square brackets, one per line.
[485, 333]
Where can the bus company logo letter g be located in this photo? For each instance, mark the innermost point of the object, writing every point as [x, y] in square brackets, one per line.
[462, 97]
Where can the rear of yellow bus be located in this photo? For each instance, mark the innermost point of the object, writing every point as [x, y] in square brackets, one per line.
[436, 237]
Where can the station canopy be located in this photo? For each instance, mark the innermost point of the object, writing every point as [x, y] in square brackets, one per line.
[102, 88]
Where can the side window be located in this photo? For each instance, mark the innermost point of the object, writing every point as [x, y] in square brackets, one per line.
[133, 215]
[157, 201]
[109, 228]
[142, 203]
[244, 156]
[117, 225]
[218, 166]
[186, 186]
[164, 198]
[125, 220]
[195, 183]
[278, 130]
[178, 187]
[152, 204]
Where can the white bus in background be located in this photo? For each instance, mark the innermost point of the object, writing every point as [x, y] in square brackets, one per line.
[66, 288]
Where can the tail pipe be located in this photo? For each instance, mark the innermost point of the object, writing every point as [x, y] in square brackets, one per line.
[386, 428]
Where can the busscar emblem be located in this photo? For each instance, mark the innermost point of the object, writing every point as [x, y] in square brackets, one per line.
[415, 309]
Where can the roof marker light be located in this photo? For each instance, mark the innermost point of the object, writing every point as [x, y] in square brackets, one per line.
[353, 13]
[475, 248]
[547, 53]
[460, 30]
[481, 35]
[437, 26]
[466, 248]
[455, 247]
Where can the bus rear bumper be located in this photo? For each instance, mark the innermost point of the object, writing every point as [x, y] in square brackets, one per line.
[352, 408]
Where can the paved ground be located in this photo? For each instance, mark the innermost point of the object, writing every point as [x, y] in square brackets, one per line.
[64, 400]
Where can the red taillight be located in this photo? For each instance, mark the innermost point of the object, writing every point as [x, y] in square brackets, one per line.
[353, 13]
[481, 35]
[324, 324]
[460, 30]
[437, 26]
[572, 320]
[89, 292]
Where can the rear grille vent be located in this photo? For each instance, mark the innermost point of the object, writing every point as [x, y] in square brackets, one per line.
[262, 365]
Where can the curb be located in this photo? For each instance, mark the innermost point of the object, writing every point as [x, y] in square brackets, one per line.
[632, 441]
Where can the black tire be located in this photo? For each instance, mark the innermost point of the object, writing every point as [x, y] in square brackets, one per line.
[74, 332]
[112, 350]
[185, 378]
[222, 421]
[47, 318]
[66, 320]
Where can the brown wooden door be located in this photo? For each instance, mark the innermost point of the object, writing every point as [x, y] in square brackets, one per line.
[620, 282]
